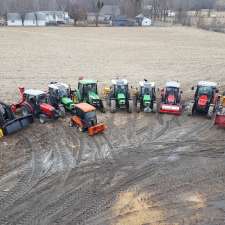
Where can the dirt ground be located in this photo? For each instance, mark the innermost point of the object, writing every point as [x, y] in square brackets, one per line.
[145, 169]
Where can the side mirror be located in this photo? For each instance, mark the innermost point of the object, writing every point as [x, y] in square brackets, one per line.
[193, 88]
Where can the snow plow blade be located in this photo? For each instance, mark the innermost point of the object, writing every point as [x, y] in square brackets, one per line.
[99, 128]
[17, 124]
[220, 120]
[171, 109]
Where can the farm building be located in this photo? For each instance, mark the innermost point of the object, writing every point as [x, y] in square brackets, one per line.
[30, 19]
[41, 19]
[14, 19]
[55, 17]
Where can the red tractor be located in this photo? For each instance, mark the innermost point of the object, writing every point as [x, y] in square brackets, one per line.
[35, 102]
[205, 99]
[171, 99]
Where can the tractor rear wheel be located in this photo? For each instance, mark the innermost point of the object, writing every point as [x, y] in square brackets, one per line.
[102, 107]
[112, 106]
[190, 109]
[154, 109]
[130, 106]
[42, 118]
[25, 111]
[210, 112]
[138, 107]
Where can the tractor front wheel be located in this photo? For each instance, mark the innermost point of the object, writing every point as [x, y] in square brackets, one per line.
[154, 109]
[130, 106]
[210, 112]
[62, 111]
[190, 109]
[25, 111]
[42, 119]
[138, 107]
[113, 106]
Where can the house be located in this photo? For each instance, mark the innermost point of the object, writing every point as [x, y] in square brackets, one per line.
[41, 19]
[30, 19]
[54, 17]
[14, 19]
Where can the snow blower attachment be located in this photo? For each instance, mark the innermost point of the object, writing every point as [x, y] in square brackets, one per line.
[145, 97]
[171, 99]
[85, 119]
[205, 99]
[9, 124]
[220, 112]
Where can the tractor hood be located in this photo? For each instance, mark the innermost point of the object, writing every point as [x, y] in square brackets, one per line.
[66, 101]
[93, 96]
[121, 98]
[147, 98]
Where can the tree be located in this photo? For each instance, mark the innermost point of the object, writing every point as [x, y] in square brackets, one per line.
[99, 6]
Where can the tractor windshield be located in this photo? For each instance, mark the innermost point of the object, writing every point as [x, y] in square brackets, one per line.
[90, 88]
[172, 91]
[90, 118]
[41, 99]
[146, 91]
[121, 89]
[205, 91]
[63, 93]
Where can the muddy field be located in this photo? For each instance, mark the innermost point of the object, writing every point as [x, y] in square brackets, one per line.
[146, 169]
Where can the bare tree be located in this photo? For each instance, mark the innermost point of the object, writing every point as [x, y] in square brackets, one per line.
[99, 6]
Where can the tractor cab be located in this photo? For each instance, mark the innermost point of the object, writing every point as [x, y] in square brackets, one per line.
[171, 98]
[146, 99]
[204, 94]
[120, 90]
[86, 120]
[88, 92]
[35, 97]
[172, 93]
[59, 93]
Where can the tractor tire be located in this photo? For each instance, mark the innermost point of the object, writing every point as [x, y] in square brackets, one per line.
[138, 107]
[154, 109]
[130, 106]
[102, 107]
[25, 111]
[190, 109]
[62, 111]
[210, 112]
[81, 129]
[42, 119]
[113, 106]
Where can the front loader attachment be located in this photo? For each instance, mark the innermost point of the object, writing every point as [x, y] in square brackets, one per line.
[99, 128]
[220, 120]
[16, 125]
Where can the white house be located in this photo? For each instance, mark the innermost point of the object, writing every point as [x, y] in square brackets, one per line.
[30, 19]
[41, 19]
[14, 19]
[146, 22]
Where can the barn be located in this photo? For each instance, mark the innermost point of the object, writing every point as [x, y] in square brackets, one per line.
[14, 19]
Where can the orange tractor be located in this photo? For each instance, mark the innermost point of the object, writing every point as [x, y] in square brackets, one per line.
[85, 119]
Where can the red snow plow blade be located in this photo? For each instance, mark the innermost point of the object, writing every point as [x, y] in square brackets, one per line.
[220, 120]
[170, 109]
[99, 128]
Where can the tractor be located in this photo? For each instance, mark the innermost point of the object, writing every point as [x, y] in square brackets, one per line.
[60, 95]
[88, 92]
[36, 102]
[119, 97]
[171, 99]
[220, 111]
[85, 119]
[145, 99]
[9, 124]
[205, 99]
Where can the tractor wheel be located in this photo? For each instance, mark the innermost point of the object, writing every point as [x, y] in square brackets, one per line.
[190, 109]
[138, 107]
[62, 111]
[42, 119]
[130, 106]
[25, 111]
[113, 106]
[102, 107]
[81, 129]
[154, 109]
[71, 124]
[210, 112]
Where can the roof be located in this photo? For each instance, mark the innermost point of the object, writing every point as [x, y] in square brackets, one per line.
[87, 81]
[144, 83]
[58, 85]
[34, 92]
[85, 107]
[207, 84]
[173, 84]
[120, 82]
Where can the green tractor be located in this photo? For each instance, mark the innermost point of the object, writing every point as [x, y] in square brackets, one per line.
[88, 92]
[145, 99]
[119, 97]
[59, 93]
